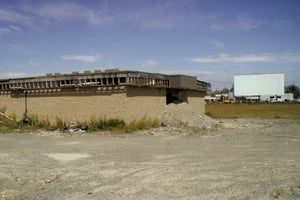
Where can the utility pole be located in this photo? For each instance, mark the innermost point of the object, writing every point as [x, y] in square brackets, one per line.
[25, 114]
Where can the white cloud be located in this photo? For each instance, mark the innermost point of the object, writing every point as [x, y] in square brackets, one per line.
[63, 11]
[192, 72]
[12, 16]
[149, 63]
[234, 59]
[10, 28]
[265, 58]
[14, 28]
[241, 22]
[98, 17]
[160, 15]
[5, 75]
[60, 10]
[83, 58]
[39, 15]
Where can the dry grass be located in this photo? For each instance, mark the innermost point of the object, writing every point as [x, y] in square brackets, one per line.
[267, 111]
[141, 124]
[32, 124]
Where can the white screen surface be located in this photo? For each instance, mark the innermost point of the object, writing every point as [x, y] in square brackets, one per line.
[263, 84]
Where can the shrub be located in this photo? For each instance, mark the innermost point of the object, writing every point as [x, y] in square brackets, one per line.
[105, 124]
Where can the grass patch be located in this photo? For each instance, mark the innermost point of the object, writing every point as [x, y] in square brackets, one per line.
[104, 124]
[7, 126]
[141, 124]
[60, 123]
[32, 123]
[266, 111]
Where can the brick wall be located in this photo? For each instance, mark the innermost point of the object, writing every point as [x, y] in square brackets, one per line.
[131, 104]
[196, 100]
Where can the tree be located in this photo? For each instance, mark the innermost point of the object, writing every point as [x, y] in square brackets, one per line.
[293, 89]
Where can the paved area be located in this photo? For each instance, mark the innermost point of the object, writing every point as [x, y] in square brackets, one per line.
[259, 161]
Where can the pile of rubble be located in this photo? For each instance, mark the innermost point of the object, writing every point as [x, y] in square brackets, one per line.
[183, 118]
[184, 115]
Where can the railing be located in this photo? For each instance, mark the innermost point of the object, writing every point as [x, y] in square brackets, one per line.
[106, 78]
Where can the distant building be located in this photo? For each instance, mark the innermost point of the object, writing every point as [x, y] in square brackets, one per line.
[261, 87]
[110, 93]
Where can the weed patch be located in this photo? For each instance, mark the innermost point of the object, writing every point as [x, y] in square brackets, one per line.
[33, 123]
[105, 124]
[141, 124]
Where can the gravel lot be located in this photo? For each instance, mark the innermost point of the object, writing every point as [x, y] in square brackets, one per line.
[248, 159]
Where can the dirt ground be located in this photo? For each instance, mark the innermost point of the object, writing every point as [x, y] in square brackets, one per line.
[240, 159]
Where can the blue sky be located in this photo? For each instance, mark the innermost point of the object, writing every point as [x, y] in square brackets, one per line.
[211, 39]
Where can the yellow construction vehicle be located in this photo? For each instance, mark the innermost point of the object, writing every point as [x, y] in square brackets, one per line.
[226, 100]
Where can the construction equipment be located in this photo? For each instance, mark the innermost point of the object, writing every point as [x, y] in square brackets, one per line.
[225, 100]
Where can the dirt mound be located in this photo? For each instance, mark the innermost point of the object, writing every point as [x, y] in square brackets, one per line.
[183, 114]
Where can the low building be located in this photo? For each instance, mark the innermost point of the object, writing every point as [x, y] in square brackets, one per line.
[111, 93]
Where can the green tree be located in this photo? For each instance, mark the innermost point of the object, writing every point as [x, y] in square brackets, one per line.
[293, 89]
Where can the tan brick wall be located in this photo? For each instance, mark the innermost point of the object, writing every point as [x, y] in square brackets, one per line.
[135, 103]
[196, 100]
[13, 106]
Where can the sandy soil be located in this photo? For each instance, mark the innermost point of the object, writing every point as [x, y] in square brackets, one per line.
[240, 159]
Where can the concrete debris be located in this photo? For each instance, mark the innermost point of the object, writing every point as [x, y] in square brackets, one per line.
[184, 115]
[72, 130]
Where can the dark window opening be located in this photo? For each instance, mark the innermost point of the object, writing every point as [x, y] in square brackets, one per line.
[116, 81]
[175, 96]
[122, 79]
[110, 81]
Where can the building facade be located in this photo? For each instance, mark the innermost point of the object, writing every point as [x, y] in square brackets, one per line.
[78, 97]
